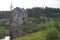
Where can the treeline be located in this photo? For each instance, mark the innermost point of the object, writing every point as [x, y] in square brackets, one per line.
[4, 14]
[36, 12]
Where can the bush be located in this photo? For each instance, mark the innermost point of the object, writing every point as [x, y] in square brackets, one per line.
[56, 24]
[3, 32]
[52, 34]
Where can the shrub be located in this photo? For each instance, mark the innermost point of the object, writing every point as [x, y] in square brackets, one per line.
[56, 24]
[52, 34]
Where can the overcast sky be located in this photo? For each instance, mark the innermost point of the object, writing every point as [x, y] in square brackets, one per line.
[5, 4]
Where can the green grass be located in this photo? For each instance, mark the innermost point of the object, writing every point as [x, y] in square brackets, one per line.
[33, 36]
[41, 35]
[48, 34]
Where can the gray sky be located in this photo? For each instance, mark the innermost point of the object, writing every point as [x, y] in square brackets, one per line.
[5, 4]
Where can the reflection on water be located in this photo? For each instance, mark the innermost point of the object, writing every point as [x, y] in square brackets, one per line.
[6, 38]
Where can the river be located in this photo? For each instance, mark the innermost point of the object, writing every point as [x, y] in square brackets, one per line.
[6, 38]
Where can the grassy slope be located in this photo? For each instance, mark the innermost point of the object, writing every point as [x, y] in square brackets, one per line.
[38, 35]
[34, 36]
[41, 35]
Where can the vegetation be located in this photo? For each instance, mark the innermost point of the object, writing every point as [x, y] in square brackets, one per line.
[34, 36]
[46, 31]
[52, 34]
[3, 28]
[49, 34]
[45, 24]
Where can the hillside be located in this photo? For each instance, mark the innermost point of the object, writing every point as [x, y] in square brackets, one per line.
[34, 36]
[49, 34]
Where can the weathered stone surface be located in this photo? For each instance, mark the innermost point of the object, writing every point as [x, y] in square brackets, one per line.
[17, 16]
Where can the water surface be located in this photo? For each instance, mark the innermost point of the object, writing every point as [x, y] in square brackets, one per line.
[6, 38]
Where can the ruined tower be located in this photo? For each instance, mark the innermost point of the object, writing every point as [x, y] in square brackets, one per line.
[17, 18]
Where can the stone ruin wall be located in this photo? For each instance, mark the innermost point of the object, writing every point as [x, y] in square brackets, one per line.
[17, 21]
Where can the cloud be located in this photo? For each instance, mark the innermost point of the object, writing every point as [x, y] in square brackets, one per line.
[5, 4]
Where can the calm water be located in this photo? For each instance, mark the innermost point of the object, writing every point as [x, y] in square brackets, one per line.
[6, 38]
